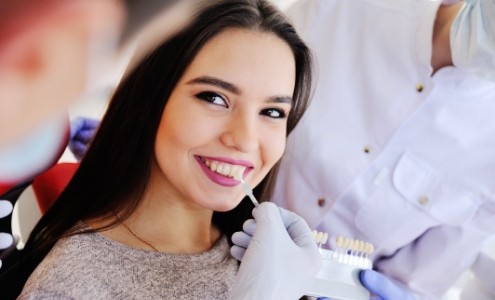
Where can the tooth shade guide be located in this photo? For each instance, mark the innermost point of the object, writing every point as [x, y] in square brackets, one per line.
[321, 238]
[347, 250]
[245, 187]
[325, 238]
[238, 174]
[338, 277]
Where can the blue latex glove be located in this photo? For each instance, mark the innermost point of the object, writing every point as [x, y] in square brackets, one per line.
[383, 288]
[279, 256]
[82, 130]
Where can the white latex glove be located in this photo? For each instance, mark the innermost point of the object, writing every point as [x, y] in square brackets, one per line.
[6, 239]
[279, 256]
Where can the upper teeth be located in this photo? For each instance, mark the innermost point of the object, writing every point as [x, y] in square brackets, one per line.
[224, 168]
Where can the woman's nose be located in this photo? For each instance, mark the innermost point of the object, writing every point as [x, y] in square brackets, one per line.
[241, 134]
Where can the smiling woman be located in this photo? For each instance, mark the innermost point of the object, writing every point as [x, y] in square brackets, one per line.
[156, 195]
[220, 115]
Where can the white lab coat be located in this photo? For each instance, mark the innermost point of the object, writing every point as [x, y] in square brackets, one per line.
[389, 153]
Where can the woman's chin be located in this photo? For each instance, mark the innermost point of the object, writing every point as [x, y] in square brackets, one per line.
[226, 206]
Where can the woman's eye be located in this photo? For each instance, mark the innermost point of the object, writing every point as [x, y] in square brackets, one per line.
[275, 113]
[213, 98]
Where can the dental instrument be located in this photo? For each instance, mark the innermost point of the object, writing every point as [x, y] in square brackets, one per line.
[338, 277]
[245, 187]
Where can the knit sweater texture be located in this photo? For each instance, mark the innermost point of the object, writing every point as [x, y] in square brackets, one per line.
[91, 266]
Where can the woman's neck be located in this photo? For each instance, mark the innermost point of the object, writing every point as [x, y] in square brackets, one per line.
[168, 224]
[441, 52]
[174, 227]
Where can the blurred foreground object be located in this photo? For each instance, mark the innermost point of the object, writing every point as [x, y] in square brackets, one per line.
[54, 51]
[51, 50]
[48, 51]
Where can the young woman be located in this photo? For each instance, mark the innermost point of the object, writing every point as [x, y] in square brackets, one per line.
[150, 210]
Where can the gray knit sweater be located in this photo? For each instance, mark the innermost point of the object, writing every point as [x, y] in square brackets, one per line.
[91, 266]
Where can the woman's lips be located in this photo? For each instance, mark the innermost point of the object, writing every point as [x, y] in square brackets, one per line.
[221, 170]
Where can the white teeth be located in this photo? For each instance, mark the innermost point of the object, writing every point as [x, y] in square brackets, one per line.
[225, 169]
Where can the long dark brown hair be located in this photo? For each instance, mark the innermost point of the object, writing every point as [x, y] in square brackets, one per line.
[115, 171]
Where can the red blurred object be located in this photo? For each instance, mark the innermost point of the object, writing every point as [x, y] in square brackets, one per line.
[5, 187]
[48, 185]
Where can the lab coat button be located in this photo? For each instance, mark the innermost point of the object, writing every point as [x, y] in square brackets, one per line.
[423, 200]
[321, 202]
[419, 87]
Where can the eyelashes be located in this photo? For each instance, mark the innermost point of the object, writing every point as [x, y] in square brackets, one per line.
[220, 100]
[275, 113]
[213, 98]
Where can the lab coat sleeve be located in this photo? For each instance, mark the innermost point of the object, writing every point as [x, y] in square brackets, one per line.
[472, 38]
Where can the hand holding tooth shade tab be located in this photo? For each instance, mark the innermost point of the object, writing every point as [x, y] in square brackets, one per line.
[245, 187]
[338, 277]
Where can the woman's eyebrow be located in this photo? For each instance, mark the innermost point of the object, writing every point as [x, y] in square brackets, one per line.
[234, 89]
[280, 99]
[216, 82]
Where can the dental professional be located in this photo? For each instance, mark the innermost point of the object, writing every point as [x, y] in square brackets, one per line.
[398, 145]
[46, 64]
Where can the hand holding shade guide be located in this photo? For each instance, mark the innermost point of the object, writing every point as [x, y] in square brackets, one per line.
[338, 277]
[245, 187]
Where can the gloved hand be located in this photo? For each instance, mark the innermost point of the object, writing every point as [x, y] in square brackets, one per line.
[472, 38]
[6, 239]
[279, 256]
[82, 130]
[382, 288]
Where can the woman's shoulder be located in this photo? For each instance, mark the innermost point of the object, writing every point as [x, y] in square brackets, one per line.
[69, 263]
[90, 266]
